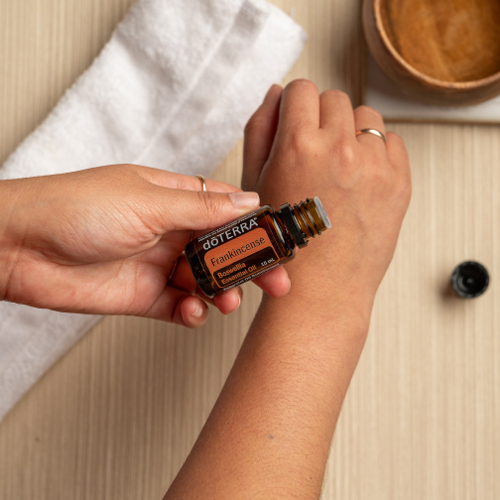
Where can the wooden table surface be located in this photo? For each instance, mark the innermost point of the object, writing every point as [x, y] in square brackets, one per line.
[116, 417]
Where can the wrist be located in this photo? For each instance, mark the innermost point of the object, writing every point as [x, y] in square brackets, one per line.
[321, 339]
[323, 308]
[9, 243]
[331, 296]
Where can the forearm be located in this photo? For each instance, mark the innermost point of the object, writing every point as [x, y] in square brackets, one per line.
[270, 431]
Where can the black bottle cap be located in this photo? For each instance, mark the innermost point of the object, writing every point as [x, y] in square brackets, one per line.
[293, 225]
[470, 279]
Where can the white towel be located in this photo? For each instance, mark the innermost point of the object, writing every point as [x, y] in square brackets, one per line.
[172, 89]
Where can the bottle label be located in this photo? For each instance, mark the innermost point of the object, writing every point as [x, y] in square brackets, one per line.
[241, 258]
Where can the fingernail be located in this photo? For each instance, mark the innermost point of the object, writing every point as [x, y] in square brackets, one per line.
[245, 199]
[198, 311]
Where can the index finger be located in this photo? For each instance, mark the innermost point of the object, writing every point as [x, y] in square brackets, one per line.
[299, 107]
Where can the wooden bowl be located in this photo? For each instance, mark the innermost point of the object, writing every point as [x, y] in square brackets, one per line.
[444, 52]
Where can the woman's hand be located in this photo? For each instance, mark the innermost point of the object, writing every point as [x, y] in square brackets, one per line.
[301, 144]
[106, 241]
[269, 433]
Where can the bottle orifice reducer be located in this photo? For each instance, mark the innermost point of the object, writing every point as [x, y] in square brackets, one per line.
[254, 244]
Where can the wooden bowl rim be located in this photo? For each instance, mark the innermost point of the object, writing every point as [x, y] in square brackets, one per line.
[473, 84]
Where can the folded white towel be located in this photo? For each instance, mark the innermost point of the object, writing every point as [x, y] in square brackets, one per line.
[172, 89]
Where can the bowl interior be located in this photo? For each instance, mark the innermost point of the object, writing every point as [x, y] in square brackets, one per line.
[449, 40]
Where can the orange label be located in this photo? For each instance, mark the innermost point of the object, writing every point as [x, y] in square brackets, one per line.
[241, 258]
[237, 249]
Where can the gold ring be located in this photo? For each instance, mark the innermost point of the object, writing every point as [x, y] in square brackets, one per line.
[204, 189]
[371, 131]
[203, 182]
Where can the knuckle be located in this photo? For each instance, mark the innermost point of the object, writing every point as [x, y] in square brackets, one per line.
[349, 170]
[346, 152]
[394, 137]
[366, 110]
[336, 94]
[210, 203]
[399, 144]
[301, 142]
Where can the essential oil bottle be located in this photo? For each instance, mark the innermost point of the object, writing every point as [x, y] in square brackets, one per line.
[254, 244]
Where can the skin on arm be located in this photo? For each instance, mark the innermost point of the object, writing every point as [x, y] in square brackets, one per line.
[270, 431]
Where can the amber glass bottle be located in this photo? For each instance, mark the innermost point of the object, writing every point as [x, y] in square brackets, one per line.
[254, 244]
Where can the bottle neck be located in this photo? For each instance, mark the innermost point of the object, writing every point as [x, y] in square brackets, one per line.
[305, 220]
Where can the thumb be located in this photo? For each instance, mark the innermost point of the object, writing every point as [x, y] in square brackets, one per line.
[186, 209]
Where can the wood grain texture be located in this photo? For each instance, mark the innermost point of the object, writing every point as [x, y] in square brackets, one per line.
[445, 53]
[453, 41]
[115, 418]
